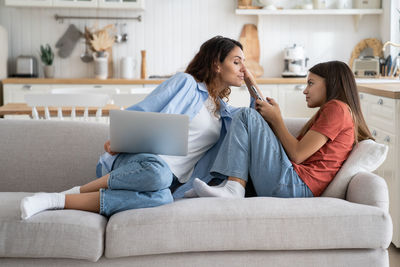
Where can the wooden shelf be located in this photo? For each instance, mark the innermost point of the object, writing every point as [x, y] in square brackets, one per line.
[309, 12]
[356, 13]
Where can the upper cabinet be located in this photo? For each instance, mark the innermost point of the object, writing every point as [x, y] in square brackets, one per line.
[29, 3]
[117, 4]
[75, 3]
[136, 4]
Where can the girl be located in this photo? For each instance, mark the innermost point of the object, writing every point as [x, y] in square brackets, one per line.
[259, 145]
[131, 181]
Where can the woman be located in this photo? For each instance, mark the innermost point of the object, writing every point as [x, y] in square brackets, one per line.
[130, 181]
[259, 145]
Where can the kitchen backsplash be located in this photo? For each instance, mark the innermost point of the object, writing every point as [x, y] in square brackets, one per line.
[171, 32]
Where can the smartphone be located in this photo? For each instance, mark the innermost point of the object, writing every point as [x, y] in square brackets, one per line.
[256, 93]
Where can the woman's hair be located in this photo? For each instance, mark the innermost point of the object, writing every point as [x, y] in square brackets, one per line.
[341, 85]
[202, 66]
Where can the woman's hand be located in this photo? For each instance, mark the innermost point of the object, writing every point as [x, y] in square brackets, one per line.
[248, 77]
[107, 148]
[269, 110]
[250, 81]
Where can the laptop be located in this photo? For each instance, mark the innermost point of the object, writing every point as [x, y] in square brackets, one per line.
[149, 132]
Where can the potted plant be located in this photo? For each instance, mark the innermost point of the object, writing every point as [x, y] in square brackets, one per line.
[47, 57]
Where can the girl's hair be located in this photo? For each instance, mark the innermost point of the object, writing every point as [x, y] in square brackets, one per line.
[341, 85]
[202, 66]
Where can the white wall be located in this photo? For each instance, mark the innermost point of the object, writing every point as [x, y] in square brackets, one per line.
[172, 31]
[395, 29]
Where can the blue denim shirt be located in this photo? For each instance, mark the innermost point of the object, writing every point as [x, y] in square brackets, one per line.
[180, 94]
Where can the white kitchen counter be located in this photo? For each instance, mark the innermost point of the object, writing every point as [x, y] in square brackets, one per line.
[372, 80]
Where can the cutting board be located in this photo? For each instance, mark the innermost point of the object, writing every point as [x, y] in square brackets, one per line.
[251, 49]
[249, 40]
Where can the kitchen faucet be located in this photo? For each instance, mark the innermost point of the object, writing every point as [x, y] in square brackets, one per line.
[397, 62]
[389, 43]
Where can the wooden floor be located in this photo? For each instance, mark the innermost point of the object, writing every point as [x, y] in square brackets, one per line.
[394, 256]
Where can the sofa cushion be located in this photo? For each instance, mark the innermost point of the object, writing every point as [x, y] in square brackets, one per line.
[366, 156]
[51, 234]
[262, 223]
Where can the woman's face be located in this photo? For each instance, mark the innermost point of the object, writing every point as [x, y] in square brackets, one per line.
[231, 70]
[315, 91]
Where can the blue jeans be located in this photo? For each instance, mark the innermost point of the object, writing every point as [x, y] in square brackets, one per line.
[136, 181]
[251, 149]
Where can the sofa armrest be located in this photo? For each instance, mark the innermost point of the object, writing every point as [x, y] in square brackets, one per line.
[369, 189]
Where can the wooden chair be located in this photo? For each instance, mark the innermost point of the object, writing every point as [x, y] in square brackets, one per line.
[66, 100]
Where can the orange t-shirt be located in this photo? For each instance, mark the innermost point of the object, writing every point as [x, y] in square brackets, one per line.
[333, 120]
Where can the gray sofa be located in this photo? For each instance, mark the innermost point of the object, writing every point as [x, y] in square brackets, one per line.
[53, 156]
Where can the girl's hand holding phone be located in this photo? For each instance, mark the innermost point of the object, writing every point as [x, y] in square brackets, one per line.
[269, 110]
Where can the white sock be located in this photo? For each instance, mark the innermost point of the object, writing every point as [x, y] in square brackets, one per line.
[192, 193]
[73, 190]
[231, 189]
[40, 202]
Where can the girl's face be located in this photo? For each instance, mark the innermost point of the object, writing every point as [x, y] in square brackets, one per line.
[315, 91]
[231, 70]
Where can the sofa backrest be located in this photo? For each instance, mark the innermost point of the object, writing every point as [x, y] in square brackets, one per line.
[48, 156]
[53, 156]
[294, 125]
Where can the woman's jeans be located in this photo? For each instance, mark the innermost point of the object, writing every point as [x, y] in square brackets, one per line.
[251, 149]
[136, 181]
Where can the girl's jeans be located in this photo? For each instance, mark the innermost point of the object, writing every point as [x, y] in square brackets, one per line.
[136, 181]
[251, 149]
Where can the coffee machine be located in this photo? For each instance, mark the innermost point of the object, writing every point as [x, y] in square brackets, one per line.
[295, 62]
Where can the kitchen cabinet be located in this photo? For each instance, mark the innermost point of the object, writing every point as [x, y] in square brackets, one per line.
[290, 98]
[150, 85]
[269, 90]
[15, 93]
[75, 3]
[240, 97]
[42, 3]
[114, 4]
[364, 105]
[123, 89]
[123, 4]
[292, 101]
[382, 115]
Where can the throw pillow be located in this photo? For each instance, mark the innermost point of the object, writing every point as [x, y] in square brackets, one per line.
[367, 156]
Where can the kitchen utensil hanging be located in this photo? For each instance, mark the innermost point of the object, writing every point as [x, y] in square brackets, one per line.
[118, 35]
[121, 35]
[87, 55]
[124, 34]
